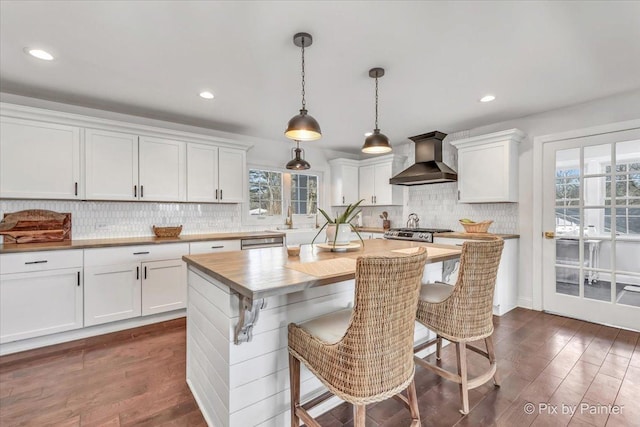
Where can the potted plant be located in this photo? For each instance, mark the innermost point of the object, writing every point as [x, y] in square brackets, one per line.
[339, 229]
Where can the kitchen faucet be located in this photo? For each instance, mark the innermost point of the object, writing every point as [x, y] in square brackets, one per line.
[289, 221]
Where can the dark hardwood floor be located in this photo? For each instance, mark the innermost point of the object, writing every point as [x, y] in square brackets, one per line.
[136, 377]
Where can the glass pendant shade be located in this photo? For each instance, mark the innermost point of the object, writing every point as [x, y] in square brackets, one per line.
[298, 162]
[376, 143]
[303, 127]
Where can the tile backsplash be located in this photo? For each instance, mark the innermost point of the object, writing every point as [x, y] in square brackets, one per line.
[96, 220]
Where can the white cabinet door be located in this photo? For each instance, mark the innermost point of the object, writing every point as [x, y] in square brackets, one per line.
[111, 165]
[164, 286]
[162, 173]
[231, 175]
[350, 184]
[383, 190]
[40, 303]
[367, 184]
[39, 160]
[488, 167]
[214, 246]
[111, 293]
[202, 173]
[344, 182]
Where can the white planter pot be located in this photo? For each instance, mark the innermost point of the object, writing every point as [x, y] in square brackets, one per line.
[344, 234]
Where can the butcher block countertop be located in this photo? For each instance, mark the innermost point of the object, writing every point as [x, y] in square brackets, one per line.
[261, 273]
[475, 236]
[131, 241]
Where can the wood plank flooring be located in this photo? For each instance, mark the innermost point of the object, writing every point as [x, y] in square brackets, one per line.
[136, 377]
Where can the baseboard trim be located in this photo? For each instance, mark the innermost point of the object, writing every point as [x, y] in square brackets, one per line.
[525, 303]
[90, 331]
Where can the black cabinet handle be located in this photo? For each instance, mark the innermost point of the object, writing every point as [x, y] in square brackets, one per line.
[78, 278]
[343, 200]
[75, 186]
[36, 262]
[137, 273]
[141, 253]
[216, 194]
[221, 194]
[145, 272]
[217, 247]
[141, 191]
[135, 191]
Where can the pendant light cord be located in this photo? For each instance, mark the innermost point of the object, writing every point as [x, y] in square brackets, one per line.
[304, 104]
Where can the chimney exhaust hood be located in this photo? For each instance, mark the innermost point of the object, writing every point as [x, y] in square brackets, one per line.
[428, 168]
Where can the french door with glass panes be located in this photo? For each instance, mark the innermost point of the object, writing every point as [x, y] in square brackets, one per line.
[591, 223]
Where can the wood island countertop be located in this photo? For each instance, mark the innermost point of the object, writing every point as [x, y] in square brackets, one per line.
[261, 273]
[131, 241]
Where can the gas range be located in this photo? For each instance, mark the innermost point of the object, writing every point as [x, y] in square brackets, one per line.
[414, 234]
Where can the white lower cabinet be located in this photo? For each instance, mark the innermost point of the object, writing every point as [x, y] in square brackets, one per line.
[505, 297]
[112, 293]
[164, 286]
[36, 301]
[130, 281]
[213, 246]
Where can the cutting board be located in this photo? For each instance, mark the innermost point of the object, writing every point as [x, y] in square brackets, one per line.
[36, 226]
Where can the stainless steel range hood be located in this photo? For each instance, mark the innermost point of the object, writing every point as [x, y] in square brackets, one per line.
[428, 168]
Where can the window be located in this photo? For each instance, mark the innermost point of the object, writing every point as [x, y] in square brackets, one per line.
[627, 197]
[304, 194]
[265, 193]
[270, 192]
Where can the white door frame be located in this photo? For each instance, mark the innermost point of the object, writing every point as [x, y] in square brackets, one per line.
[536, 238]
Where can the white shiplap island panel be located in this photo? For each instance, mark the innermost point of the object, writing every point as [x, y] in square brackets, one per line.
[247, 384]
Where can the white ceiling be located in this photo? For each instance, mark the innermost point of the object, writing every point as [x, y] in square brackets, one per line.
[152, 58]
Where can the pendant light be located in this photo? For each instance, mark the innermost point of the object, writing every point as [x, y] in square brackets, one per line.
[303, 127]
[298, 162]
[376, 143]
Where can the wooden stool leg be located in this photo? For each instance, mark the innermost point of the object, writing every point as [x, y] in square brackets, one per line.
[294, 382]
[359, 415]
[439, 348]
[413, 404]
[492, 358]
[461, 352]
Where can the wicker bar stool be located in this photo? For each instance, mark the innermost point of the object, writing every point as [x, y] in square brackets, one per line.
[464, 313]
[364, 355]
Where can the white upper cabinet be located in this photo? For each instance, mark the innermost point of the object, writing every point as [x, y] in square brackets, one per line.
[162, 173]
[111, 165]
[374, 180]
[202, 173]
[215, 174]
[488, 167]
[344, 181]
[39, 160]
[231, 175]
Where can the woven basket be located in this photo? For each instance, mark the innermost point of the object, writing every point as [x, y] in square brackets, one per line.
[167, 231]
[476, 227]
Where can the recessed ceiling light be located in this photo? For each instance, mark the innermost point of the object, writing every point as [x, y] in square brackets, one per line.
[206, 95]
[368, 134]
[39, 53]
[487, 98]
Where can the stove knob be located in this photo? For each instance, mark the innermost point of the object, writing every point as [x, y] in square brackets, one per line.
[421, 236]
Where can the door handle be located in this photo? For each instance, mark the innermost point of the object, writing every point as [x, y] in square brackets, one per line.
[216, 194]
[141, 191]
[145, 272]
[343, 200]
[221, 194]
[137, 273]
[78, 278]
[549, 234]
[135, 191]
[217, 247]
[75, 188]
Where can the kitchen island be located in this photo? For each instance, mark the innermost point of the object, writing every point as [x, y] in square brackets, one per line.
[238, 308]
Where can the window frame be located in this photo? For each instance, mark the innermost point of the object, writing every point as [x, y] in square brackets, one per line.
[278, 220]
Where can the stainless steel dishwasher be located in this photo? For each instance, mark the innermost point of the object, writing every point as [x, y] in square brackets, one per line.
[261, 242]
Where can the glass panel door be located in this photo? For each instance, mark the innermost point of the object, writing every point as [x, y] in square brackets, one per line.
[591, 202]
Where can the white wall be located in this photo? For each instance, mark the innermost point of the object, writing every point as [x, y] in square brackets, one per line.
[612, 109]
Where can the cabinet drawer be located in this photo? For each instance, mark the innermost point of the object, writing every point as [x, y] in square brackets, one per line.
[38, 261]
[214, 246]
[129, 254]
